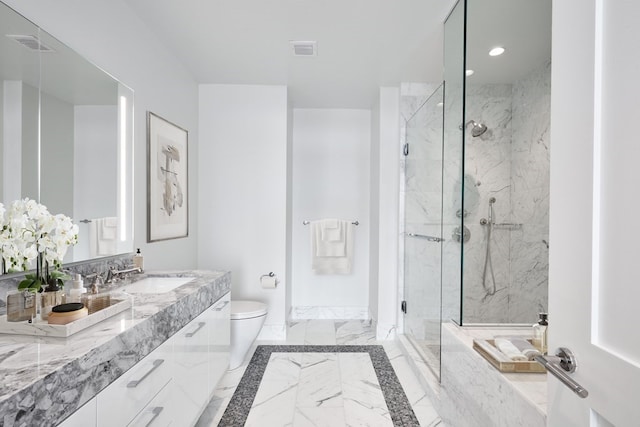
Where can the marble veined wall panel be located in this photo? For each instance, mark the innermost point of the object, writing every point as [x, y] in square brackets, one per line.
[510, 162]
[487, 174]
[530, 196]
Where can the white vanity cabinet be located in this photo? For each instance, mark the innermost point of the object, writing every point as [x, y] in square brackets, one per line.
[172, 384]
[84, 417]
[201, 356]
[219, 341]
[126, 397]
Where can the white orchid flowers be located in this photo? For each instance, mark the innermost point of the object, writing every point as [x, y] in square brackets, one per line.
[28, 231]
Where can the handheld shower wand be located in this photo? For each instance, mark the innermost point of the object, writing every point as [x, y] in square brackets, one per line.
[488, 265]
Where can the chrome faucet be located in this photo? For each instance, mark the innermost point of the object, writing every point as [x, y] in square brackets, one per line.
[114, 274]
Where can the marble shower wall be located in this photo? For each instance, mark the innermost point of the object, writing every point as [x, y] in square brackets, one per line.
[510, 162]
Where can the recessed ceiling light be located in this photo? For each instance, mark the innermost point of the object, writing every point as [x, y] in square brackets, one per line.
[469, 73]
[496, 51]
[440, 104]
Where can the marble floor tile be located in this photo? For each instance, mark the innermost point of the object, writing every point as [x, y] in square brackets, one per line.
[320, 332]
[319, 384]
[319, 417]
[274, 404]
[354, 332]
[361, 389]
[296, 331]
[324, 387]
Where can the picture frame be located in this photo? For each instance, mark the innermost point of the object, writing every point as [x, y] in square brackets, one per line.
[167, 180]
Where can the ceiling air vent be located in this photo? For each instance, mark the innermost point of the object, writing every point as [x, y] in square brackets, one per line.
[302, 48]
[30, 42]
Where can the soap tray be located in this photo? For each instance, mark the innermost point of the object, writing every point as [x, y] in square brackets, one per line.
[501, 362]
[118, 303]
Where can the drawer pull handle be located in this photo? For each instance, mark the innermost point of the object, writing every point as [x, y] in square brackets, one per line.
[156, 363]
[156, 413]
[190, 334]
[221, 306]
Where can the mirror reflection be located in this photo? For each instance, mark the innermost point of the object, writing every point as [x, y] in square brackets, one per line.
[506, 161]
[60, 135]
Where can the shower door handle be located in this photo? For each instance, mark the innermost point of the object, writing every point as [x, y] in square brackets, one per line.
[428, 238]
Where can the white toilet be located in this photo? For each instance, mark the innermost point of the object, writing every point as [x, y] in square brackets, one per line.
[247, 318]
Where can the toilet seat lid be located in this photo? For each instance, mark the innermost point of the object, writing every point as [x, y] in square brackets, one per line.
[247, 309]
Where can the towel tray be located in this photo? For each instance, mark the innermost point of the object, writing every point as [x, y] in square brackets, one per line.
[489, 351]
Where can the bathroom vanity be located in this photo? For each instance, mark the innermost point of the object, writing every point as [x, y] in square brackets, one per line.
[160, 360]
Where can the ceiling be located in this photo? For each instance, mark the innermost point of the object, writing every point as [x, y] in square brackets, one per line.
[362, 44]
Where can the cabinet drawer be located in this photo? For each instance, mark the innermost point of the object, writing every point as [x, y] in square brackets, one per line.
[159, 412]
[191, 356]
[83, 417]
[123, 399]
[219, 341]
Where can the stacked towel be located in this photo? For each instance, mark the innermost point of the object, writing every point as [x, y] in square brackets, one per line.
[510, 350]
[525, 347]
[331, 246]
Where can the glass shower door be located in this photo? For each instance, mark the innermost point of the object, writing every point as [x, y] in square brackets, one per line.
[423, 229]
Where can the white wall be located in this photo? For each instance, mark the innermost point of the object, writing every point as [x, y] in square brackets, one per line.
[388, 304]
[109, 34]
[243, 192]
[331, 172]
[374, 211]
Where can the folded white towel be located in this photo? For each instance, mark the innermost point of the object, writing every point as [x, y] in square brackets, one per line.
[328, 248]
[525, 347]
[510, 350]
[106, 239]
[332, 264]
[332, 230]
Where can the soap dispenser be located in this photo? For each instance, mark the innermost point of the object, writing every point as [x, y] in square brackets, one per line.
[540, 333]
[75, 293]
[138, 260]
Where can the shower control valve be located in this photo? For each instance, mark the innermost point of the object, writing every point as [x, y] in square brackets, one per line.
[484, 221]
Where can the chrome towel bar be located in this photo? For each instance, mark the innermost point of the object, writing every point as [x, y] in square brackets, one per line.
[306, 222]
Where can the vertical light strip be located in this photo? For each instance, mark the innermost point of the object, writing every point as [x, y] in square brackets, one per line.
[123, 169]
[39, 138]
[597, 159]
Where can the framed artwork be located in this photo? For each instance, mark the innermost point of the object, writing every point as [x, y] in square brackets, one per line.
[167, 180]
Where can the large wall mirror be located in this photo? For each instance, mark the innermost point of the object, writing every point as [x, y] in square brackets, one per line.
[65, 137]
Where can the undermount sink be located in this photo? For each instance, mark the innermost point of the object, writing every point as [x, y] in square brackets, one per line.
[155, 285]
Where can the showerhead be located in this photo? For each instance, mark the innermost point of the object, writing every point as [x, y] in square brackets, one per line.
[477, 129]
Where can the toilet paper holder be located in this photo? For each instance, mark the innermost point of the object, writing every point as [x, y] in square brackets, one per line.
[269, 280]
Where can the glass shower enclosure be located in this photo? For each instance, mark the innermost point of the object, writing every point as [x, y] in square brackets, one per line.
[423, 228]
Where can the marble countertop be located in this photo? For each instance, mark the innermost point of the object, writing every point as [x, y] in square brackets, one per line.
[532, 386]
[45, 379]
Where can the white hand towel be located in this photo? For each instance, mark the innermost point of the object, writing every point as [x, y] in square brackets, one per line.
[106, 239]
[510, 350]
[332, 264]
[332, 230]
[324, 248]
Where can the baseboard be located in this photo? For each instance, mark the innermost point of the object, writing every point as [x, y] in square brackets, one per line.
[333, 313]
